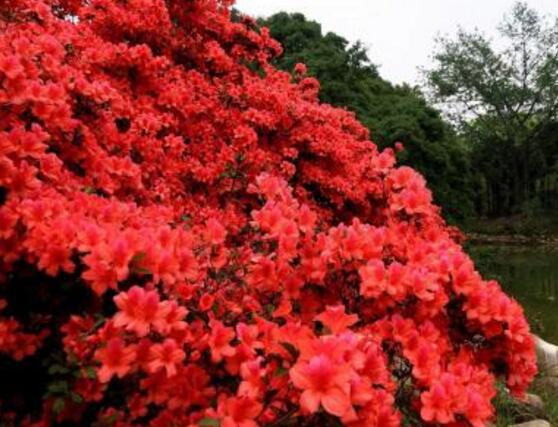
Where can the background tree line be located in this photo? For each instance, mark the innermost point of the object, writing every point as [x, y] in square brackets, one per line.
[493, 151]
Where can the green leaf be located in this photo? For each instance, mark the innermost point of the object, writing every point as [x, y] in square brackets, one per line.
[209, 422]
[111, 419]
[280, 371]
[76, 397]
[290, 348]
[269, 308]
[58, 387]
[90, 372]
[99, 323]
[58, 405]
[137, 258]
[141, 270]
[57, 369]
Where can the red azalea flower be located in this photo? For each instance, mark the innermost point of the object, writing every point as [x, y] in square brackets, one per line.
[166, 355]
[116, 359]
[139, 310]
[336, 319]
[241, 412]
[324, 382]
[219, 341]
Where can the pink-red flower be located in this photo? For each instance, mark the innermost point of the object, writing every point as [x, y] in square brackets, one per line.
[116, 359]
[336, 319]
[219, 341]
[240, 412]
[139, 310]
[167, 356]
[323, 382]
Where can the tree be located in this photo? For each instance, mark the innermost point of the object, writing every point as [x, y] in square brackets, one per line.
[344, 70]
[393, 114]
[503, 100]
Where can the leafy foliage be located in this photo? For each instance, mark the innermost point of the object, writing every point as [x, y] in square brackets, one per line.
[392, 113]
[506, 102]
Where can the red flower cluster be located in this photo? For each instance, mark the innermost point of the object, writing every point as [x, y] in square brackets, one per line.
[207, 244]
[13, 341]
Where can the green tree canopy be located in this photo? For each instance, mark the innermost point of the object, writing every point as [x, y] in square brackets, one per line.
[504, 101]
[392, 113]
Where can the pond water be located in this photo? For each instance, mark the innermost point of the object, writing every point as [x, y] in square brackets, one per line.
[530, 274]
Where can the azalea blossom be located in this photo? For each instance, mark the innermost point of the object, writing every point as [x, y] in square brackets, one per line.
[166, 355]
[139, 310]
[323, 383]
[214, 245]
[116, 359]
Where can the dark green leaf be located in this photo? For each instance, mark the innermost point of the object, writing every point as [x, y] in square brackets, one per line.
[90, 372]
[58, 405]
[57, 369]
[209, 422]
[280, 371]
[291, 349]
[58, 387]
[76, 397]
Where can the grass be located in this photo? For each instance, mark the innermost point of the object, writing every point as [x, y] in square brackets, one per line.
[509, 411]
[549, 395]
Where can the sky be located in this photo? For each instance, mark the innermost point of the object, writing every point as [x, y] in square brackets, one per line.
[399, 34]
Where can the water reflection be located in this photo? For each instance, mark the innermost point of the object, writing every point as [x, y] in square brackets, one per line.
[530, 274]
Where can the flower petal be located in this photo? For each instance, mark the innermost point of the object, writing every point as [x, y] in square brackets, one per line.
[310, 401]
[336, 402]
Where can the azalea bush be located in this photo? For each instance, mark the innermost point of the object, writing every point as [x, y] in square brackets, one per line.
[189, 238]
